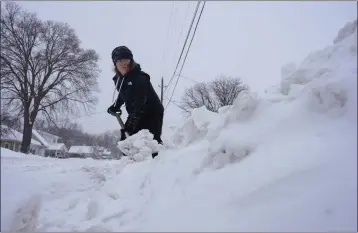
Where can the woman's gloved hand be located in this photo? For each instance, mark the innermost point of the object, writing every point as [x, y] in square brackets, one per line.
[114, 111]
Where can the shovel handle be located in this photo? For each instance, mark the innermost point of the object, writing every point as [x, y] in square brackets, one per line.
[121, 124]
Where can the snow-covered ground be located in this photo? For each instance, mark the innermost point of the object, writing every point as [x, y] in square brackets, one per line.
[284, 161]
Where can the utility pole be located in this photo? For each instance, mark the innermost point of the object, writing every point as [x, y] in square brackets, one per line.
[161, 92]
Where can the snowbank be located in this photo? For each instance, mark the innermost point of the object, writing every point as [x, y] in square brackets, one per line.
[324, 82]
[283, 161]
[195, 127]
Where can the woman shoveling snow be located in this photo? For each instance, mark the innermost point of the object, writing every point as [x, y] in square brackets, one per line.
[145, 111]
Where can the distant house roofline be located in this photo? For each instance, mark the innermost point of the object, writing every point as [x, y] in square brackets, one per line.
[16, 136]
[49, 134]
[57, 146]
[81, 150]
[37, 135]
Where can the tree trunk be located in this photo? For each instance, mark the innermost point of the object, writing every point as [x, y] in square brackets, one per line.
[29, 119]
[26, 138]
[26, 134]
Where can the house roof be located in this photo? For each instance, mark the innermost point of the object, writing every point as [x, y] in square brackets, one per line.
[15, 135]
[81, 150]
[40, 138]
[49, 134]
[57, 146]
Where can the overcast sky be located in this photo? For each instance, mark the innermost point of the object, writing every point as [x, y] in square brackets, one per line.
[251, 40]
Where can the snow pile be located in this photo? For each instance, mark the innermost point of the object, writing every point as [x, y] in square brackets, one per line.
[203, 124]
[139, 146]
[323, 82]
[195, 127]
[206, 124]
[284, 161]
[349, 29]
[320, 74]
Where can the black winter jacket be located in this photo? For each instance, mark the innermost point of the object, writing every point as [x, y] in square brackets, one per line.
[138, 95]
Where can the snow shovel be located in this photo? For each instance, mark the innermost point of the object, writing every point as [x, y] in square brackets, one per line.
[125, 133]
[121, 124]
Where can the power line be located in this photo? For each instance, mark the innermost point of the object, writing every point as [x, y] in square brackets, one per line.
[186, 40]
[182, 27]
[190, 79]
[166, 40]
[187, 52]
[191, 41]
[174, 102]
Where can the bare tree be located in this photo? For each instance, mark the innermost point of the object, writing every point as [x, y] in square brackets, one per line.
[226, 89]
[197, 96]
[43, 69]
[213, 95]
[8, 123]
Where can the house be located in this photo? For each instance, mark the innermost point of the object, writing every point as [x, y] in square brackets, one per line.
[13, 140]
[101, 153]
[45, 137]
[51, 142]
[81, 152]
[57, 150]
